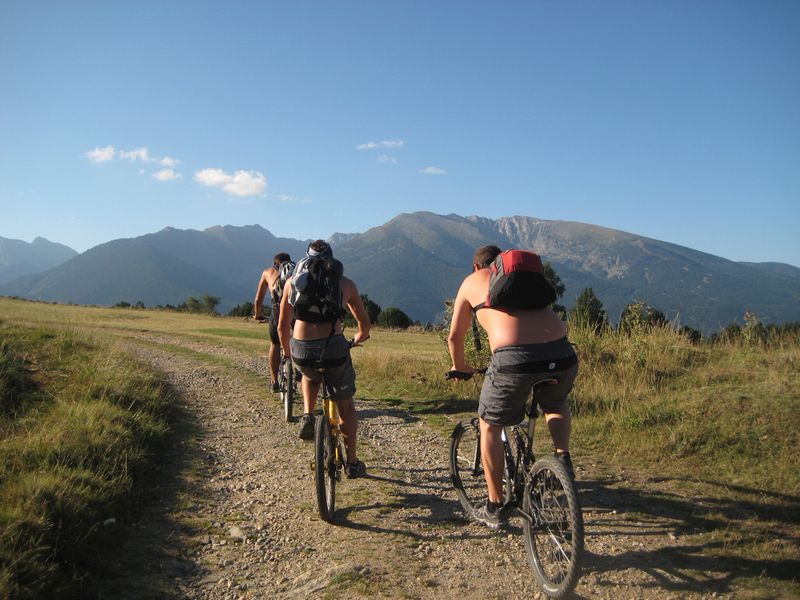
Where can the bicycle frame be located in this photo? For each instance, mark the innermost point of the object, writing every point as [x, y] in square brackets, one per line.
[518, 466]
[329, 409]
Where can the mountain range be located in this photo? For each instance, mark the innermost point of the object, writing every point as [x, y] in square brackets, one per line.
[416, 261]
[19, 258]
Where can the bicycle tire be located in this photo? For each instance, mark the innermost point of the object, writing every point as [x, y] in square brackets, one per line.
[466, 468]
[287, 388]
[554, 538]
[324, 468]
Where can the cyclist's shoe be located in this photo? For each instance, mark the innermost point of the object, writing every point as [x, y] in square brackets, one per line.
[565, 460]
[356, 469]
[495, 520]
[275, 387]
[307, 427]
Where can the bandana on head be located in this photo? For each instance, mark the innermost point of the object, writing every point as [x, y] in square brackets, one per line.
[326, 253]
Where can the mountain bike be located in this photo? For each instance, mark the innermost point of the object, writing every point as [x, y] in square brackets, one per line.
[540, 491]
[330, 453]
[288, 378]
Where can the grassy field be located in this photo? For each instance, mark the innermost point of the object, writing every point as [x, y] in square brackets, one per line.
[652, 399]
[80, 424]
[716, 425]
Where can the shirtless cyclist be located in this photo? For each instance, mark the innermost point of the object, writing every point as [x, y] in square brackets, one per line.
[520, 340]
[267, 283]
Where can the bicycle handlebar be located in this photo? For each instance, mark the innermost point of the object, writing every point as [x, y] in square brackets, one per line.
[462, 375]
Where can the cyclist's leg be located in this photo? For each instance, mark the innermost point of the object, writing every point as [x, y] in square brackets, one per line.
[349, 426]
[306, 355]
[492, 459]
[560, 426]
[502, 403]
[310, 391]
[274, 352]
[552, 399]
[340, 377]
[274, 361]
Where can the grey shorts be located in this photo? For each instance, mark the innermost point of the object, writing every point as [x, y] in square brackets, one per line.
[514, 370]
[330, 356]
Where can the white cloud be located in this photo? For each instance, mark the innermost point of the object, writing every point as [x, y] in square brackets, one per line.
[166, 175]
[433, 171]
[288, 198]
[212, 177]
[99, 155]
[382, 144]
[168, 161]
[386, 159]
[241, 183]
[142, 154]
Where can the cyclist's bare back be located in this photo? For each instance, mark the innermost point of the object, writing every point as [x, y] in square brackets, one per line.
[504, 327]
[303, 330]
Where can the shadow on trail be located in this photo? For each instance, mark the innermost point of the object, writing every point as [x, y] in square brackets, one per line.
[416, 503]
[702, 540]
[708, 536]
[148, 556]
[407, 409]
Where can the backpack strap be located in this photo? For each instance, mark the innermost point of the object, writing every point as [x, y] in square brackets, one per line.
[476, 336]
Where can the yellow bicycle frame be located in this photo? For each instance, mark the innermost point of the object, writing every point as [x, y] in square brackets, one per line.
[329, 408]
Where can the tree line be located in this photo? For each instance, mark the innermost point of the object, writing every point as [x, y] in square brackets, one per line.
[390, 317]
[588, 312]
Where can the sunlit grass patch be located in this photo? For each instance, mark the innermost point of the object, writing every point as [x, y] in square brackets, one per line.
[85, 427]
[234, 333]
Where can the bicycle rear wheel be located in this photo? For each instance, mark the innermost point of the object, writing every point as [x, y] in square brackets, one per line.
[325, 468]
[554, 536]
[287, 385]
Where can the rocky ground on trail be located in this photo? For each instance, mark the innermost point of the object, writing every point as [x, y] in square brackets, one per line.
[238, 515]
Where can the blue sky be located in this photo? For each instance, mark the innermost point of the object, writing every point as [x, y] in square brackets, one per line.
[675, 120]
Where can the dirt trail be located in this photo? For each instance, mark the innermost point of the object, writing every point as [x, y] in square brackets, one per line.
[242, 521]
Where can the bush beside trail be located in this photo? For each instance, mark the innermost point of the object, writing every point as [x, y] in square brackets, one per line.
[80, 426]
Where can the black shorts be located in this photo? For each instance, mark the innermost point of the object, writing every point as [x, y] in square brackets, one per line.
[273, 325]
[514, 370]
[330, 356]
[273, 334]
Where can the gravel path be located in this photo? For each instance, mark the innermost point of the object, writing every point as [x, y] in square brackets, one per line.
[241, 522]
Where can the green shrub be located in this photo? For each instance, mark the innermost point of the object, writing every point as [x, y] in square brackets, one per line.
[394, 318]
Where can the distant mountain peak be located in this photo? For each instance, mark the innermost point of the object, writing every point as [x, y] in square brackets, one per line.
[19, 259]
[340, 238]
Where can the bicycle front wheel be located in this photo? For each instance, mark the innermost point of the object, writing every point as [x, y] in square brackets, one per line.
[466, 470]
[554, 533]
[325, 468]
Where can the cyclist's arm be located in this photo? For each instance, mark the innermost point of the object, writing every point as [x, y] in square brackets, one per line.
[285, 320]
[356, 306]
[263, 286]
[459, 325]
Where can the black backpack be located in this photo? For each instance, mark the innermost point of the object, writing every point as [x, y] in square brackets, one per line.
[517, 281]
[285, 270]
[317, 290]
